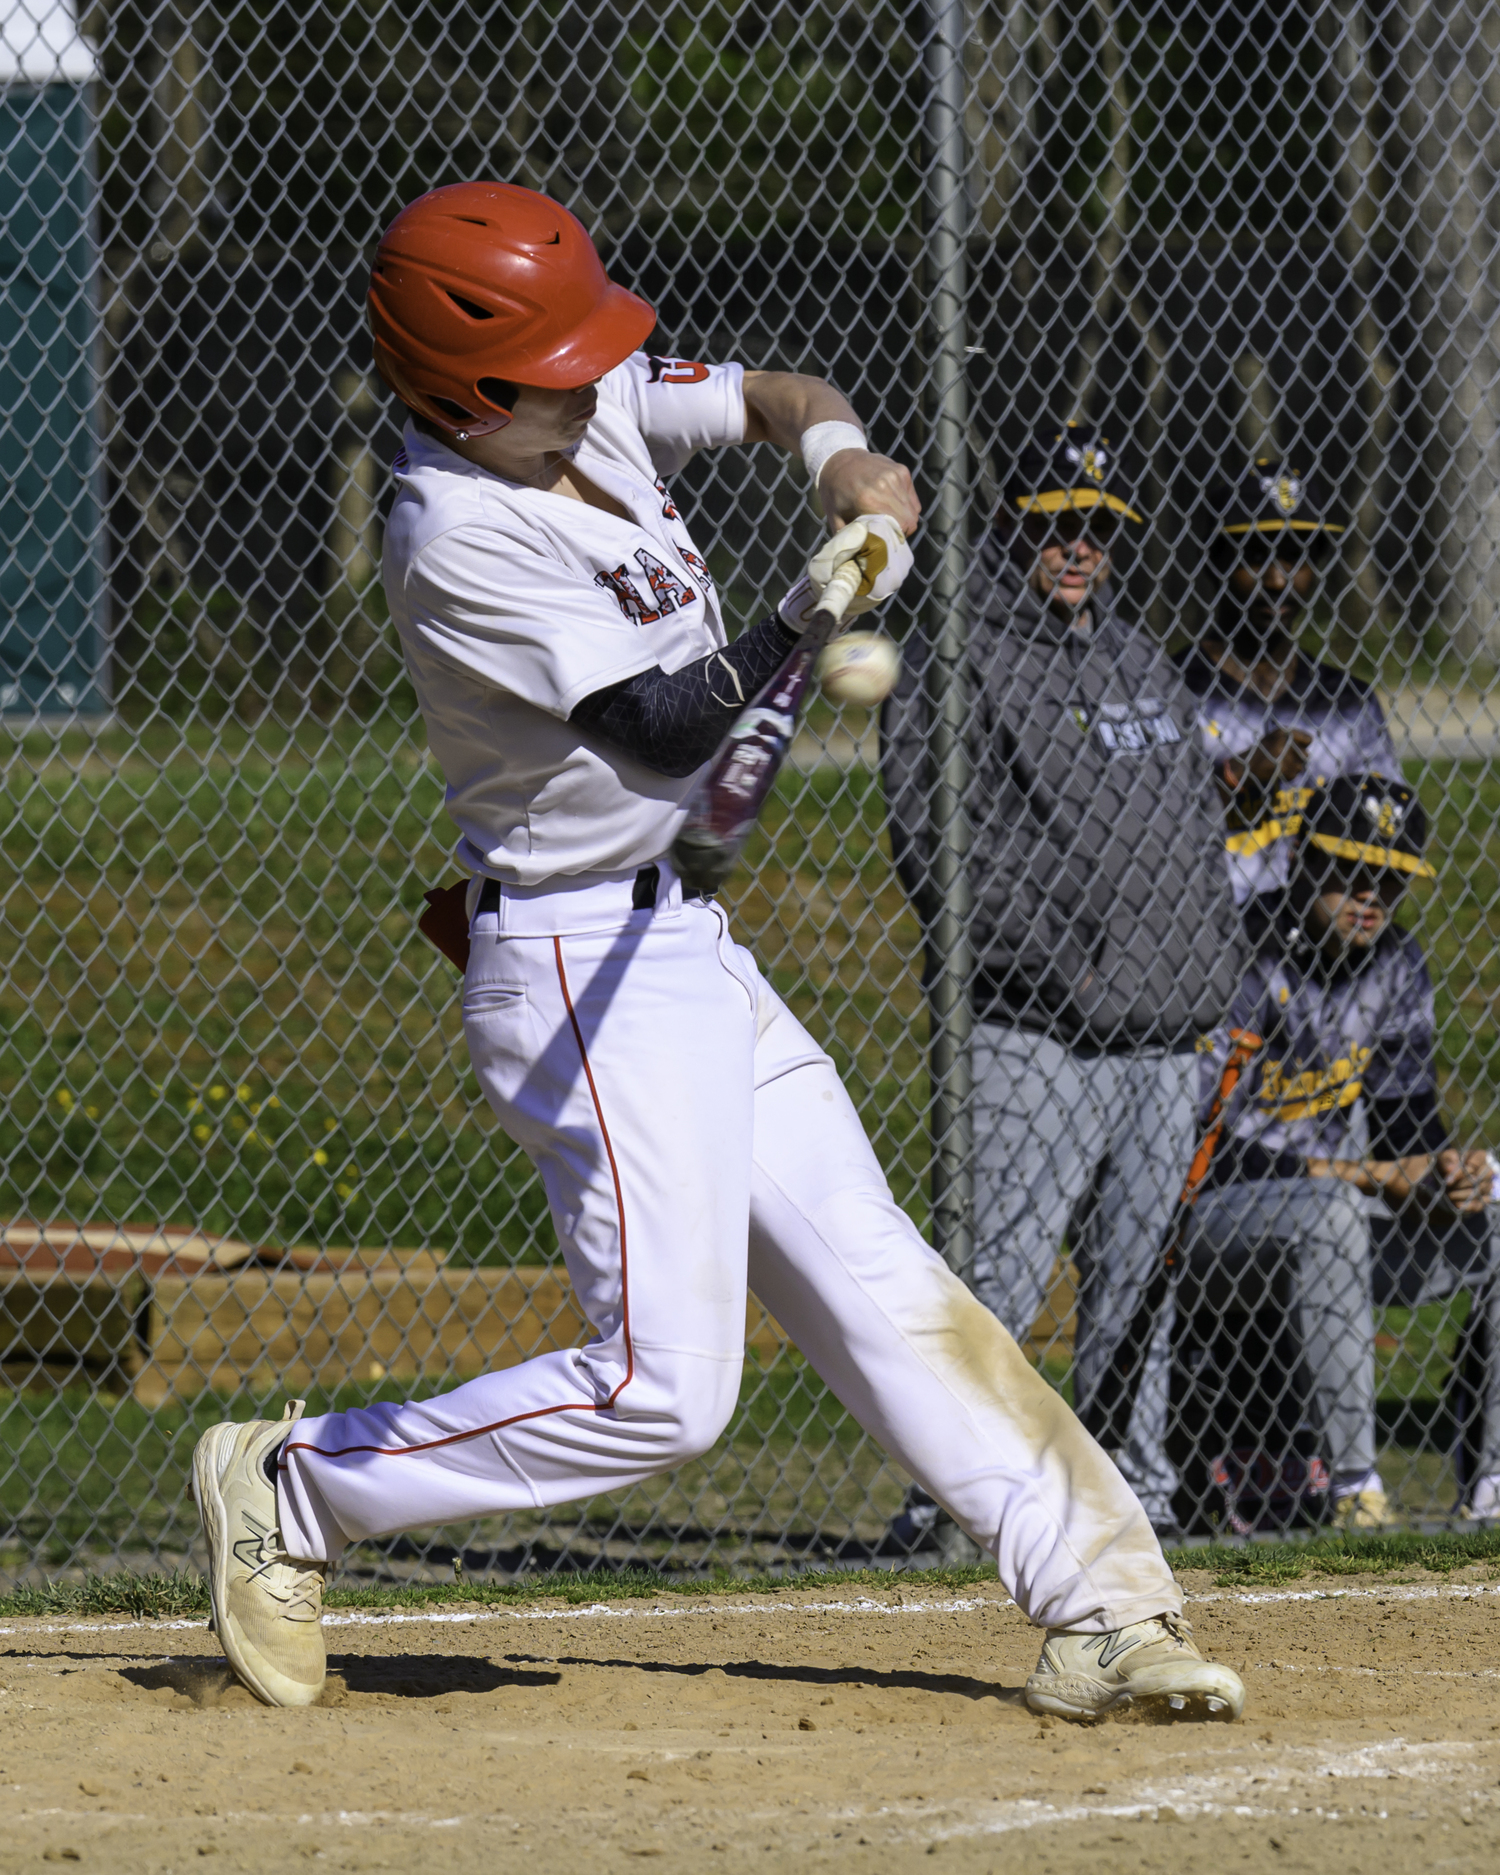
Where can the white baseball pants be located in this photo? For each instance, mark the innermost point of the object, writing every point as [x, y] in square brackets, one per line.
[692, 1140]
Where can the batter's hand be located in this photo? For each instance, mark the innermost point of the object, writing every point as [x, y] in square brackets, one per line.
[877, 543]
[856, 482]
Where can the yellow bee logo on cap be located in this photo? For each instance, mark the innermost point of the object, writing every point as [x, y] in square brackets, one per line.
[1094, 464]
[1386, 814]
[1288, 493]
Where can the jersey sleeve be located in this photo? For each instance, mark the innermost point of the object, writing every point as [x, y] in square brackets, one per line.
[542, 635]
[678, 405]
[1372, 736]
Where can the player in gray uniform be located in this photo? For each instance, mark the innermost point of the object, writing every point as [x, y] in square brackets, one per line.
[1105, 935]
[1337, 1108]
[1275, 724]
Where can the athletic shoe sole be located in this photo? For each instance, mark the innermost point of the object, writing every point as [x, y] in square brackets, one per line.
[1214, 1693]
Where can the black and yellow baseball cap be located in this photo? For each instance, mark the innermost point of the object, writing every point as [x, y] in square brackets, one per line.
[1368, 820]
[1271, 498]
[1067, 468]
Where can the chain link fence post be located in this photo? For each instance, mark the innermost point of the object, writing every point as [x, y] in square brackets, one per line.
[950, 1015]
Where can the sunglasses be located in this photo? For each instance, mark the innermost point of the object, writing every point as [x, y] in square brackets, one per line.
[1259, 550]
[1384, 883]
[1099, 528]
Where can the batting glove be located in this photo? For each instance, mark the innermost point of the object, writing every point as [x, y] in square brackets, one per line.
[880, 546]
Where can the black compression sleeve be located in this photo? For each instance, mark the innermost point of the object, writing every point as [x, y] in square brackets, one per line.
[672, 722]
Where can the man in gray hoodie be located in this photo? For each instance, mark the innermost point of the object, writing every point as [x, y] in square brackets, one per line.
[1105, 934]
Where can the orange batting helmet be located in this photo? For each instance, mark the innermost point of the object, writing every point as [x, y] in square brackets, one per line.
[482, 286]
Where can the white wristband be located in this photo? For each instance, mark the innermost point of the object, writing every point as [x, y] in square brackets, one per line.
[823, 440]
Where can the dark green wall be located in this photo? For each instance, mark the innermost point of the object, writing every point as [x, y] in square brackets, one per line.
[50, 641]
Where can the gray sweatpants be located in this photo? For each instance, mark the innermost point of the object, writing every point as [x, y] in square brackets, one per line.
[1318, 1231]
[1093, 1148]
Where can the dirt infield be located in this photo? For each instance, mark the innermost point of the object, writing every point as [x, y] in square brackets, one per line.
[865, 1731]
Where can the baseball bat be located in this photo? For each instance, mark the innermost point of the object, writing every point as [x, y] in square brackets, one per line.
[1106, 1414]
[733, 790]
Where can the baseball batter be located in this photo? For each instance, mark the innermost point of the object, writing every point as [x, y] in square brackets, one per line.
[567, 648]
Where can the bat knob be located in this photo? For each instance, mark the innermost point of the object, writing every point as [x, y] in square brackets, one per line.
[703, 860]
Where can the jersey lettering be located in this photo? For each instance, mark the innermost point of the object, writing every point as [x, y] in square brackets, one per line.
[1136, 733]
[668, 511]
[675, 370]
[667, 590]
[627, 596]
[1123, 730]
[696, 565]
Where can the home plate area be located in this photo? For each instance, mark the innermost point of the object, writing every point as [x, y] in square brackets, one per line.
[867, 1731]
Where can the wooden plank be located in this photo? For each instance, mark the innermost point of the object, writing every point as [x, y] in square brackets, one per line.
[290, 1330]
[1052, 1332]
[403, 1314]
[60, 1317]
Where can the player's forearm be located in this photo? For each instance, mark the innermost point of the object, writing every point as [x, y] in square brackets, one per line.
[781, 405]
[1391, 1179]
[1423, 1180]
[672, 721]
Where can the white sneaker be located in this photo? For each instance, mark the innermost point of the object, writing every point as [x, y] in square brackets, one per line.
[1483, 1503]
[1083, 1676]
[268, 1606]
[1369, 1509]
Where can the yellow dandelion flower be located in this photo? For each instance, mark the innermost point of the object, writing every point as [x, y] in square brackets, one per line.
[238, 1124]
[65, 1100]
[92, 1112]
[195, 1106]
[344, 1191]
[202, 1132]
[320, 1157]
[242, 1093]
[217, 1093]
[273, 1102]
[330, 1126]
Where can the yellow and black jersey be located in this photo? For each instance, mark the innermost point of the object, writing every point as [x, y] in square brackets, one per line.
[1349, 733]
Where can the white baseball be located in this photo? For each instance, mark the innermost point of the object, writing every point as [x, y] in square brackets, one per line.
[860, 667]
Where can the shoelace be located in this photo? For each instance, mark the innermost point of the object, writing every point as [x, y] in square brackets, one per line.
[298, 1585]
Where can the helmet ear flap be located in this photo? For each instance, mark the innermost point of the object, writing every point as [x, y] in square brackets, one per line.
[499, 393]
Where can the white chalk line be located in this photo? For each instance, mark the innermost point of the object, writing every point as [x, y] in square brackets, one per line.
[605, 1611]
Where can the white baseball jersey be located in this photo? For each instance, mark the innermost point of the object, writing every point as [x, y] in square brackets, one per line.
[513, 605]
[692, 1138]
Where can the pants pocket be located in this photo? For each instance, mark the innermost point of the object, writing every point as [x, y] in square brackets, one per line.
[486, 999]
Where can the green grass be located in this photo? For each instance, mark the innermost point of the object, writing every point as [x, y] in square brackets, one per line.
[1458, 921]
[1271, 1563]
[197, 915]
[160, 1596]
[215, 1009]
[78, 1470]
[215, 1005]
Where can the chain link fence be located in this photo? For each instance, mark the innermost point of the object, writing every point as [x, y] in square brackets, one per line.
[243, 1149]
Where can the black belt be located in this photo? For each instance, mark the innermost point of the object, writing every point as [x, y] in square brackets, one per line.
[642, 898]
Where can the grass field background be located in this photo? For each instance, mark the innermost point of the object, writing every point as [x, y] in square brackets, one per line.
[217, 1010]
